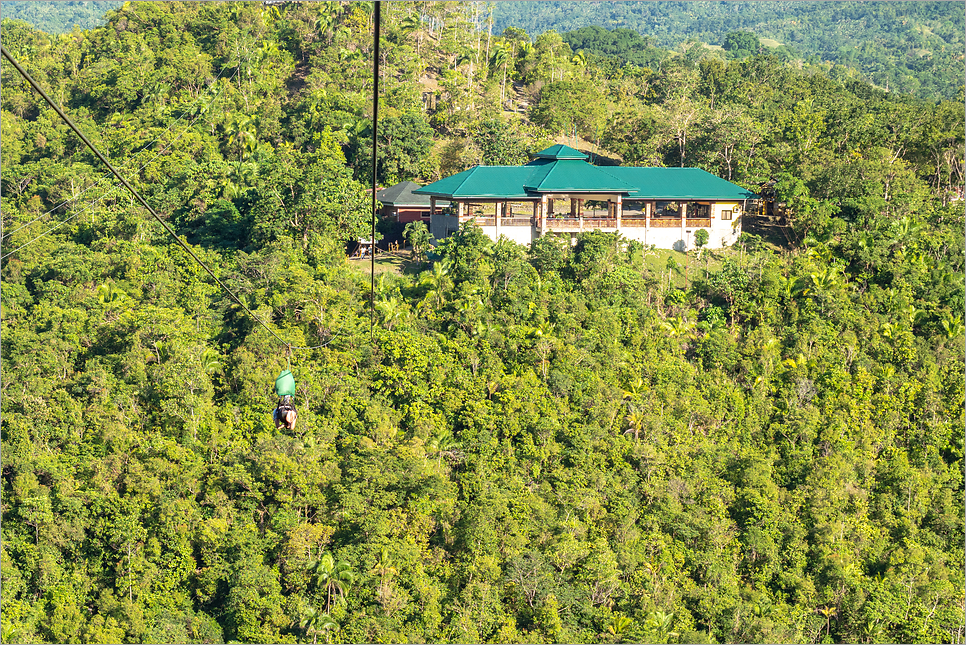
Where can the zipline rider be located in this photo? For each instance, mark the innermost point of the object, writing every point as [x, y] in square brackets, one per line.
[285, 414]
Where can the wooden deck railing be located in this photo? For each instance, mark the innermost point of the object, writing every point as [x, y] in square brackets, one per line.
[600, 222]
[504, 221]
[480, 221]
[516, 221]
[591, 223]
[563, 224]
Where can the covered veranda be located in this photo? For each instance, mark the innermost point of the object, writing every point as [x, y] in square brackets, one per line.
[559, 192]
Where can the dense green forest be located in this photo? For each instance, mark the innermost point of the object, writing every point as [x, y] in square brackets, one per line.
[909, 47]
[597, 443]
[58, 17]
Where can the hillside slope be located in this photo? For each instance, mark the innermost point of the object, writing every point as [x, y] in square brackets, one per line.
[58, 17]
[914, 47]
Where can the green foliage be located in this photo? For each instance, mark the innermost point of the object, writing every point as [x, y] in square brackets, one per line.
[624, 44]
[417, 236]
[904, 46]
[499, 144]
[568, 105]
[404, 145]
[590, 443]
[701, 237]
[741, 43]
[60, 17]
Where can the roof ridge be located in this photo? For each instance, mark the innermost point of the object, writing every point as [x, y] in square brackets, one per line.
[469, 173]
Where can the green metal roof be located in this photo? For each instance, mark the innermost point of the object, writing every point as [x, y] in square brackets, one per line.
[560, 151]
[481, 181]
[574, 176]
[678, 183]
[560, 169]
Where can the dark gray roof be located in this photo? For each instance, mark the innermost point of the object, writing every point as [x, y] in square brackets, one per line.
[402, 195]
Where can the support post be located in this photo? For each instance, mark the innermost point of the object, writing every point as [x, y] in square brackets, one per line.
[684, 224]
[543, 215]
[648, 208]
[619, 209]
[497, 216]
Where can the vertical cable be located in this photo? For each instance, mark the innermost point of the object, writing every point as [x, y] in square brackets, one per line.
[375, 131]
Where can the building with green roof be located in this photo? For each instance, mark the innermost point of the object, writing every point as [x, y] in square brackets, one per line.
[559, 192]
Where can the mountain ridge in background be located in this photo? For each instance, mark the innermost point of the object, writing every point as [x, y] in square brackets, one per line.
[912, 47]
[58, 17]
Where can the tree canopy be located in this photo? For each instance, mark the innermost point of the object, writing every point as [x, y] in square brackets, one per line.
[588, 442]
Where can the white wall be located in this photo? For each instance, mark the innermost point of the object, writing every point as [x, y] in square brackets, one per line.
[662, 238]
[722, 232]
[519, 234]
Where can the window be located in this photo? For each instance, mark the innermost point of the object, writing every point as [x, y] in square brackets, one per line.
[700, 211]
[596, 208]
[633, 208]
[726, 215]
[666, 209]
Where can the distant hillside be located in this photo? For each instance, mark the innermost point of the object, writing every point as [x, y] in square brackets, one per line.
[914, 47]
[58, 17]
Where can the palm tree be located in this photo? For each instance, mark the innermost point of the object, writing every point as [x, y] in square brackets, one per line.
[410, 24]
[418, 237]
[333, 576]
[829, 613]
[634, 389]
[327, 21]
[444, 444]
[385, 570]
[157, 97]
[109, 293]
[678, 326]
[825, 279]
[579, 60]
[465, 57]
[315, 621]
[905, 230]
[952, 324]
[618, 625]
[502, 54]
[210, 361]
[635, 420]
[439, 282]
[391, 310]
[244, 135]
[659, 624]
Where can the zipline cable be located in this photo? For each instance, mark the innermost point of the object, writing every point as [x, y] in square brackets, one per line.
[6, 236]
[159, 153]
[375, 159]
[53, 228]
[136, 194]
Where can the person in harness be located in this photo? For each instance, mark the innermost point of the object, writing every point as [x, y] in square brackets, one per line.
[285, 414]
